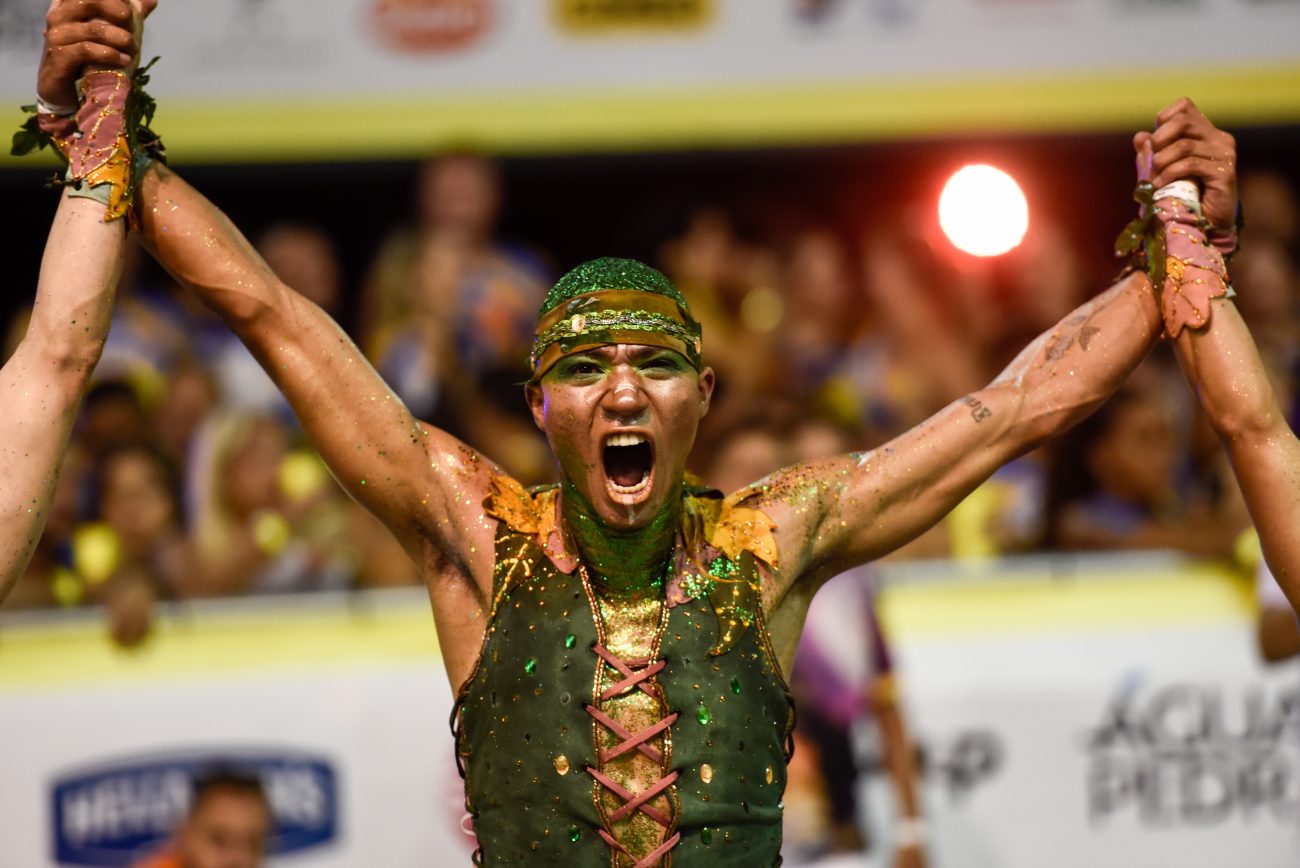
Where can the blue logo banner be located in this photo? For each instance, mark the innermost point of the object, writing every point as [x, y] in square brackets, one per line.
[116, 812]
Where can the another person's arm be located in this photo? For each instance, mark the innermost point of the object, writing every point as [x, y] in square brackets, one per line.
[42, 384]
[1225, 369]
[1221, 360]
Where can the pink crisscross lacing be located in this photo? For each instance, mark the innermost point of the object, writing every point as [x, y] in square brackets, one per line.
[635, 675]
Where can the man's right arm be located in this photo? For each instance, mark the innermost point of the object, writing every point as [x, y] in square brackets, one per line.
[425, 485]
[418, 480]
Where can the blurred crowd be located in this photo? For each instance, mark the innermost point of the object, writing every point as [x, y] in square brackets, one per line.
[188, 476]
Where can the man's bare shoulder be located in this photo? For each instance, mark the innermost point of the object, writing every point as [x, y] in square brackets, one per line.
[453, 483]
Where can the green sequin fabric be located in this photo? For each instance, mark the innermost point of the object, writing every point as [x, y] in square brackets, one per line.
[525, 740]
[610, 273]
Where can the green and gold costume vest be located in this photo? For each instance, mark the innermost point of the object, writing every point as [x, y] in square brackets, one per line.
[647, 729]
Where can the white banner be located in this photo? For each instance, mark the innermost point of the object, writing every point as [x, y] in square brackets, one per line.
[1117, 718]
[341, 705]
[246, 79]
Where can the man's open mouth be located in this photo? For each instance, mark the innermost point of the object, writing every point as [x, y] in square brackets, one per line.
[629, 463]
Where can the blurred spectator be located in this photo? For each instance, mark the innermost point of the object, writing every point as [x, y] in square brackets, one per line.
[823, 310]
[1274, 212]
[843, 679]
[112, 416]
[733, 290]
[1004, 516]
[266, 519]
[227, 825]
[1115, 483]
[136, 551]
[190, 397]
[448, 314]
[302, 256]
[905, 360]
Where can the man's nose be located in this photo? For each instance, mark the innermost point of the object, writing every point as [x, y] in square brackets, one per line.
[625, 400]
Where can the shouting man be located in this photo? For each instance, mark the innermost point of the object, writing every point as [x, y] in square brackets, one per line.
[617, 642]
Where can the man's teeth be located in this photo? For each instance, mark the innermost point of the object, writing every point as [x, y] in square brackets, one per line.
[625, 439]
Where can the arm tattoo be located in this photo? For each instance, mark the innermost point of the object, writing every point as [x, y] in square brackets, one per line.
[978, 411]
[1061, 344]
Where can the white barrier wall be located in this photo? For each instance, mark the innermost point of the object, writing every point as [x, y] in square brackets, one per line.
[1116, 716]
[302, 79]
[1113, 717]
[342, 704]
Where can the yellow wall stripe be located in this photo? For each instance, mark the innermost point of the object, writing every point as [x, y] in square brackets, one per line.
[352, 128]
[55, 656]
[1120, 599]
[59, 655]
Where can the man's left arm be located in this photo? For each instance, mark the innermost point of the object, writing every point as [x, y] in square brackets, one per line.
[846, 510]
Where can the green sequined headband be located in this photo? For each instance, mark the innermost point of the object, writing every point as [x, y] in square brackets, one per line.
[614, 316]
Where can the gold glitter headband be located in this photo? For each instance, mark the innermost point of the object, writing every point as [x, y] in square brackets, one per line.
[613, 316]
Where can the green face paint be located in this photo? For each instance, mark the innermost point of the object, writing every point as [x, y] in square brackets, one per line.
[623, 560]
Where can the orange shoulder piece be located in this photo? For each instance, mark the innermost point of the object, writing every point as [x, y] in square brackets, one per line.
[511, 503]
[737, 529]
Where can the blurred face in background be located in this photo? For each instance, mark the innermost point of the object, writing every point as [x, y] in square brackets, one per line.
[227, 829]
[1134, 458]
[746, 457]
[250, 477]
[458, 196]
[136, 498]
[304, 258]
[820, 277]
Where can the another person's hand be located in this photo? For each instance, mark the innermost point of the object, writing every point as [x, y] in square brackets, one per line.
[81, 33]
[1187, 146]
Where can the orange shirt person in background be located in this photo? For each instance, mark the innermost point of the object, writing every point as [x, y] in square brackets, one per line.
[227, 825]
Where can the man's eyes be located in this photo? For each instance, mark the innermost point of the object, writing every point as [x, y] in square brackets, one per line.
[658, 364]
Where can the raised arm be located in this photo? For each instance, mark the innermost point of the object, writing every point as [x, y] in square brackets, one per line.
[423, 484]
[42, 384]
[837, 513]
[1221, 360]
[415, 478]
[843, 511]
[1225, 369]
